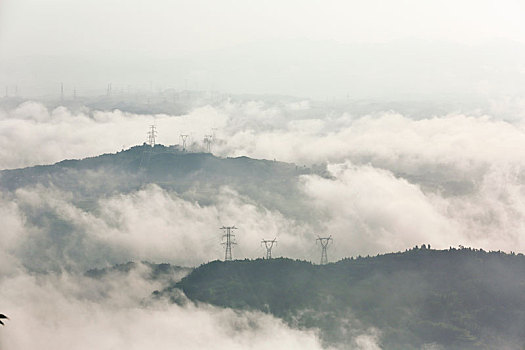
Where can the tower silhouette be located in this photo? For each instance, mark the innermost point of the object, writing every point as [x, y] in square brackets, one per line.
[207, 142]
[324, 241]
[268, 244]
[184, 138]
[152, 135]
[230, 240]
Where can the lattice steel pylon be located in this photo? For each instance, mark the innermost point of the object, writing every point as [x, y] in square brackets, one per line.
[183, 139]
[230, 240]
[324, 244]
[208, 139]
[152, 135]
[146, 153]
[268, 244]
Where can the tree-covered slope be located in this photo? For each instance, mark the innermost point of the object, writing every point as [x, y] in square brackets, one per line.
[455, 299]
[160, 164]
[163, 271]
[195, 176]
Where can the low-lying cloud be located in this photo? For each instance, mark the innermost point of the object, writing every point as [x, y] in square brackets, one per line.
[395, 182]
[45, 230]
[67, 311]
[459, 172]
[398, 180]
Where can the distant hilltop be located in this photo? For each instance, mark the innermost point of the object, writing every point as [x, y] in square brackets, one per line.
[450, 299]
[195, 176]
[160, 163]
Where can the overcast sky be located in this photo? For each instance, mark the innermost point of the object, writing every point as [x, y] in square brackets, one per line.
[265, 46]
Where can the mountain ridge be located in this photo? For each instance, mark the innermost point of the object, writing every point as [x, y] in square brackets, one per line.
[194, 176]
[450, 299]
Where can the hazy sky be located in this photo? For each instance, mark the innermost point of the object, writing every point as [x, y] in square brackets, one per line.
[247, 46]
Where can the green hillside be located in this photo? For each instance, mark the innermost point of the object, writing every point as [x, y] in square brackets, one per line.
[194, 176]
[454, 299]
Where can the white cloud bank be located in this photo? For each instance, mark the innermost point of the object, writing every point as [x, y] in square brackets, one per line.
[66, 310]
[70, 312]
[397, 182]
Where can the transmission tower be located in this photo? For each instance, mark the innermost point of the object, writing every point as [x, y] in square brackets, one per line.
[208, 139]
[268, 244]
[62, 92]
[230, 240]
[183, 139]
[146, 153]
[324, 244]
[152, 134]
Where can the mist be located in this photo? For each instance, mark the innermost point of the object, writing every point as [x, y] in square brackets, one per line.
[393, 180]
[383, 125]
[67, 311]
[374, 49]
[465, 197]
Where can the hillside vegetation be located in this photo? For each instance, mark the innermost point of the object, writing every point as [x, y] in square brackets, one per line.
[194, 176]
[454, 299]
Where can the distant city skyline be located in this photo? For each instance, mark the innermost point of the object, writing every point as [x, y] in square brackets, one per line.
[373, 49]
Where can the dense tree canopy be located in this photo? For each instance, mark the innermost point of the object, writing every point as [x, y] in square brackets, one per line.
[457, 299]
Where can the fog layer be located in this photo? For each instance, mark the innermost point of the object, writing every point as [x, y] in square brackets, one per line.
[393, 181]
[397, 180]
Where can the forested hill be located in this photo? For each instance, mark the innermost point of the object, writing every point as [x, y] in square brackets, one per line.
[195, 176]
[159, 164]
[453, 299]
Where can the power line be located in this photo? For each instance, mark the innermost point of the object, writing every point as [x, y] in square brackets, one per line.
[268, 244]
[324, 244]
[230, 240]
